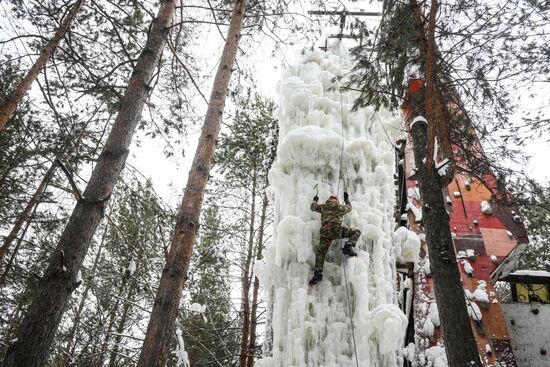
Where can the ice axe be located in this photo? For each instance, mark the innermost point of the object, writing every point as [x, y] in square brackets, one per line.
[316, 188]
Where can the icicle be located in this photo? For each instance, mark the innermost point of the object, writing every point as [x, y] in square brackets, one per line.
[183, 358]
[312, 326]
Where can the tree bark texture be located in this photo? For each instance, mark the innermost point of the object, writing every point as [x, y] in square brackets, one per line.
[245, 277]
[256, 288]
[165, 309]
[25, 214]
[460, 344]
[13, 99]
[36, 332]
[435, 110]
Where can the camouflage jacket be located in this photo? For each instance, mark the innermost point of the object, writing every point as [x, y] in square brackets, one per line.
[331, 211]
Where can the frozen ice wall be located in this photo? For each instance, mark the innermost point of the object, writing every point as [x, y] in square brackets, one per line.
[312, 326]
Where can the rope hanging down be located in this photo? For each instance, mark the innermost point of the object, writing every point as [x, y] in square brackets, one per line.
[350, 318]
[339, 78]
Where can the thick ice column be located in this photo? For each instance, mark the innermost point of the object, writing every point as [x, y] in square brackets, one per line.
[312, 326]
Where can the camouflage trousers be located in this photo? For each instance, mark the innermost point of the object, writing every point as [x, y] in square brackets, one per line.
[332, 231]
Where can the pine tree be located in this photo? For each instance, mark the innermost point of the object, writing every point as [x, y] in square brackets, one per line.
[244, 159]
[481, 54]
[460, 345]
[161, 324]
[117, 282]
[20, 151]
[466, 102]
[14, 98]
[536, 215]
[36, 333]
[211, 338]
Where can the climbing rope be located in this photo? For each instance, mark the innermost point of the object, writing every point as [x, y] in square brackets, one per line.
[337, 192]
[341, 120]
[385, 131]
[350, 318]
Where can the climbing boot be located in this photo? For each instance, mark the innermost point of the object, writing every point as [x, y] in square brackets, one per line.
[348, 249]
[317, 277]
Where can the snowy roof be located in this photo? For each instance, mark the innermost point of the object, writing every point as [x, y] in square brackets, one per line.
[532, 273]
[528, 276]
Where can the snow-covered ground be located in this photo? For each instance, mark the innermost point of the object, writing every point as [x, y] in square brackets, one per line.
[313, 326]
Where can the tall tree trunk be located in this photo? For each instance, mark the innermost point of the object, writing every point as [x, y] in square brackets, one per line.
[245, 277]
[256, 287]
[65, 360]
[37, 330]
[13, 99]
[460, 344]
[429, 62]
[24, 215]
[161, 324]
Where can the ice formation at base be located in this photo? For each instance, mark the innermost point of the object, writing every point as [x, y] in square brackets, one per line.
[312, 326]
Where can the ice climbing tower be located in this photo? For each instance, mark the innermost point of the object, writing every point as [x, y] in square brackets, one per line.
[322, 141]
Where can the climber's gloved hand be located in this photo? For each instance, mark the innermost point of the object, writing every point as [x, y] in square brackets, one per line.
[346, 197]
[316, 198]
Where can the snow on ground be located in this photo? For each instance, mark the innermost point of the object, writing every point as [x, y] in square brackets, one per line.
[312, 326]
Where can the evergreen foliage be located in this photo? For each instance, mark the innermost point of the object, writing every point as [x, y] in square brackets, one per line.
[103, 324]
[244, 158]
[483, 53]
[67, 115]
[23, 143]
[246, 152]
[536, 215]
[211, 336]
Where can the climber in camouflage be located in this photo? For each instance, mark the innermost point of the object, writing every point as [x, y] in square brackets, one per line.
[331, 228]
